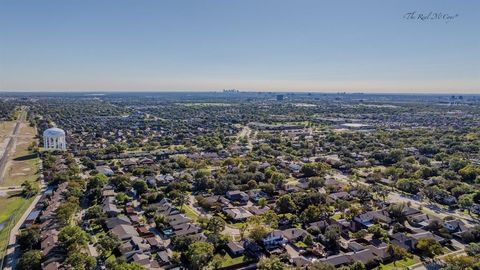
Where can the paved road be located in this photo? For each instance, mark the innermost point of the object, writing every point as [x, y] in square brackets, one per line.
[396, 197]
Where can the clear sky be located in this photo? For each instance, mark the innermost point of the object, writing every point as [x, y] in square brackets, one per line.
[294, 45]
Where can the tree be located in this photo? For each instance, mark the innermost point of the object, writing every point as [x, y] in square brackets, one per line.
[30, 238]
[397, 212]
[360, 234]
[353, 211]
[357, 266]
[314, 169]
[270, 218]
[473, 249]
[378, 232]
[257, 232]
[363, 193]
[30, 260]
[80, 261]
[29, 189]
[121, 197]
[262, 202]
[121, 182]
[94, 212]
[182, 242]
[460, 262]
[285, 204]
[121, 265]
[216, 225]
[199, 254]
[270, 263]
[319, 265]
[216, 262]
[181, 199]
[107, 244]
[409, 185]
[381, 191]
[97, 181]
[252, 184]
[429, 247]
[66, 211]
[394, 156]
[311, 214]
[332, 234]
[140, 186]
[308, 170]
[73, 238]
[308, 240]
[466, 201]
[469, 173]
[277, 179]
[397, 253]
[316, 182]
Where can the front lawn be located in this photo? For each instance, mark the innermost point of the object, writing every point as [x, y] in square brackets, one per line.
[228, 261]
[238, 225]
[402, 264]
[189, 212]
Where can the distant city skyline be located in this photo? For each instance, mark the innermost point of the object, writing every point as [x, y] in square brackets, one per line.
[272, 45]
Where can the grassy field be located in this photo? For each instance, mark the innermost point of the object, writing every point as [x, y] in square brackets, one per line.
[24, 165]
[9, 204]
[12, 207]
[6, 129]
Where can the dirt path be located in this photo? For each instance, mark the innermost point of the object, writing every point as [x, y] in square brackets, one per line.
[245, 132]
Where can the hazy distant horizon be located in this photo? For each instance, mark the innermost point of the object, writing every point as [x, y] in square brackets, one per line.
[270, 45]
[241, 91]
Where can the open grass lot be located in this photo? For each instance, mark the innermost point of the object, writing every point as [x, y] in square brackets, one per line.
[9, 204]
[6, 128]
[237, 225]
[13, 205]
[399, 265]
[228, 261]
[189, 212]
[23, 166]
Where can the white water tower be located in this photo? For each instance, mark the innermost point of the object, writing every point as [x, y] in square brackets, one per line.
[54, 139]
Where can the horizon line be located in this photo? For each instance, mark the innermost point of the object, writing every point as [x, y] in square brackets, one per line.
[248, 91]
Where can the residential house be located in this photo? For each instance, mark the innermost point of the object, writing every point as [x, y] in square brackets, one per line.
[237, 214]
[237, 196]
[236, 248]
[124, 232]
[294, 234]
[273, 239]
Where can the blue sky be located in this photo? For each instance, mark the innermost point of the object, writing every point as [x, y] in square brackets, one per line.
[297, 45]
